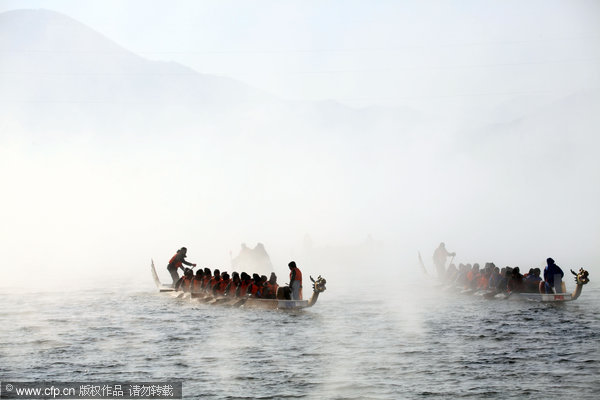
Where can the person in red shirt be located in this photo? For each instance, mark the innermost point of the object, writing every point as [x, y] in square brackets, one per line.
[295, 281]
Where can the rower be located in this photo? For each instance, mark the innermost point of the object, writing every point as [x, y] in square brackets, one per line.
[532, 281]
[246, 280]
[451, 273]
[207, 276]
[295, 281]
[271, 287]
[475, 275]
[221, 285]
[515, 282]
[462, 276]
[503, 285]
[231, 288]
[197, 282]
[495, 277]
[185, 282]
[484, 278]
[213, 281]
[176, 262]
[255, 289]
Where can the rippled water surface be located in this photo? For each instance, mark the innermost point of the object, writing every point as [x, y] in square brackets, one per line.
[371, 343]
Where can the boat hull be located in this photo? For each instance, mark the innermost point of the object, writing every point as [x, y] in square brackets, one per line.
[554, 298]
[536, 297]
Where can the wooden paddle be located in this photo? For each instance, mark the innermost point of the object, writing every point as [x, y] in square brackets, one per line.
[240, 302]
[491, 294]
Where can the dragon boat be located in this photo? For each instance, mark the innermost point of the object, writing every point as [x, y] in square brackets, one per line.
[581, 279]
[243, 302]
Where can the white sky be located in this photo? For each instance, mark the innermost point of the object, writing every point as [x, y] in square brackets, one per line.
[440, 53]
[492, 60]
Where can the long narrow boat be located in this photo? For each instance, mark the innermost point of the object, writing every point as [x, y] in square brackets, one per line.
[244, 302]
[581, 279]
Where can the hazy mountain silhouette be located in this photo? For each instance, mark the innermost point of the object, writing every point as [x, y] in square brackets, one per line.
[46, 51]
[58, 75]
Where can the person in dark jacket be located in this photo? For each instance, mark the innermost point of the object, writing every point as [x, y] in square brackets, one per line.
[176, 262]
[515, 282]
[532, 282]
[553, 277]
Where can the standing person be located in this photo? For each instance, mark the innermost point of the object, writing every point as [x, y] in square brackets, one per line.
[553, 277]
[439, 259]
[295, 281]
[176, 262]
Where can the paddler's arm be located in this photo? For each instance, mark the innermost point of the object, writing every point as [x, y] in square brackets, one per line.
[187, 263]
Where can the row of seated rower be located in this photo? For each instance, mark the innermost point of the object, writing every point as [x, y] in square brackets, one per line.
[221, 284]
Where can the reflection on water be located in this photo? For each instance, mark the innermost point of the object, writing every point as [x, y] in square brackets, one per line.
[401, 345]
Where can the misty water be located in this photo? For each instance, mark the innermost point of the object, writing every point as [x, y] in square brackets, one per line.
[400, 339]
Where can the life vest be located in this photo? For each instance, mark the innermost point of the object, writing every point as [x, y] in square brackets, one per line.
[243, 288]
[473, 284]
[220, 286]
[205, 281]
[197, 285]
[254, 290]
[211, 283]
[270, 290]
[470, 275]
[232, 289]
[483, 282]
[175, 262]
[298, 274]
